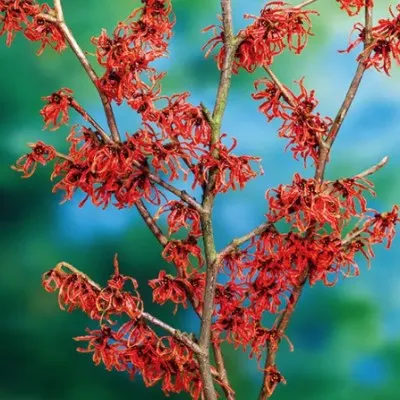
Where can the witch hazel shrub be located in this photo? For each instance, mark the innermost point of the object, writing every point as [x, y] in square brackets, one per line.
[328, 223]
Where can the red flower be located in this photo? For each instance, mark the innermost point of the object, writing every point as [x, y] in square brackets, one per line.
[179, 252]
[278, 27]
[104, 346]
[40, 30]
[273, 378]
[74, 291]
[304, 128]
[56, 111]
[382, 226]
[272, 106]
[353, 7]
[15, 15]
[236, 326]
[41, 153]
[181, 216]
[230, 170]
[384, 46]
[167, 288]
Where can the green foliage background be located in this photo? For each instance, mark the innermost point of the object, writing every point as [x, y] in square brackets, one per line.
[347, 339]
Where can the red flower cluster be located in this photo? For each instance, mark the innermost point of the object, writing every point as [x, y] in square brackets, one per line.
[180, 253]
[279, 26]
[385, 43]
[77, 291]
[134, 347]
[263, 274]
[121, 171]
[304, 128]
[28, 16]
[168, 288]
[134, 45]
[353, 7]
[230, 170]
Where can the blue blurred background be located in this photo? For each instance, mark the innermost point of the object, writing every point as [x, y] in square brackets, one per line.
[347, 338]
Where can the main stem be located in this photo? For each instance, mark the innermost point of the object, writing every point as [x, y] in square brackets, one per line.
[208, 202]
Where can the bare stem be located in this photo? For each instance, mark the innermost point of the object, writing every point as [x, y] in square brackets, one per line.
[239, 241]
[151, 223]
[304, 4]
[79, 109]
[69, 37]
[177, 192]
[372, 169]
[183, 337]
[348, 100]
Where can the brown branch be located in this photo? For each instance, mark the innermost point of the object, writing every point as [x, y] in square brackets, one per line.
[80, 110]
[222, 374]
[348, 101]
[280, 326]
[150, 222]
[283, 320]
[239, 241]
[304, 4]
[285, 93]
[183, 337]
[177, 192]
[372, 169]
[69, 37]
[163, 240]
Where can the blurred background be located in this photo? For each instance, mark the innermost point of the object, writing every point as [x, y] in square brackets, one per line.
[346, 338]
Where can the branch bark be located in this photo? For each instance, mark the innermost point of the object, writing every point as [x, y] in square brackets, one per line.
[230, 43]
[69, 37]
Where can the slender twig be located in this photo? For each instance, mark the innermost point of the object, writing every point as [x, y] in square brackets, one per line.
[69, 37]
[305, 3]
[206, 113]
[235, 243]
[151, 223]
[222, 374]
[177, 192]
[372, 169]
[64, 157]
[353, 234]
[348, 100]
[47, 17]
[79, 109]
[285, 93]
[58, 154]
[283, 320]
[181, 336]
[280, 326]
